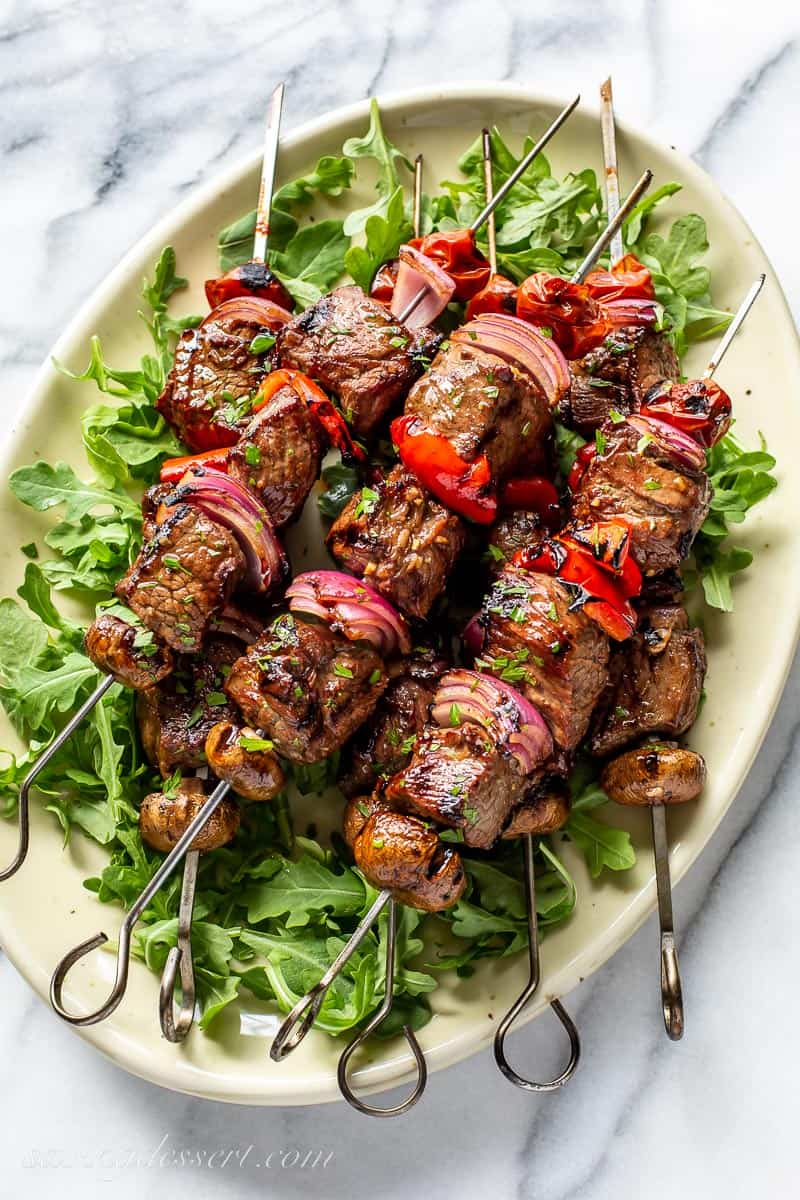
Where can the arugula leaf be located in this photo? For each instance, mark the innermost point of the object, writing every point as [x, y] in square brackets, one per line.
[384, 237]
[312, 262]
[302, 888]
[375, 145]
[341, 483]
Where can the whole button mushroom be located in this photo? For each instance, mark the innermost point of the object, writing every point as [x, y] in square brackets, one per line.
[164, 817]
[655, 773]
[245, 760]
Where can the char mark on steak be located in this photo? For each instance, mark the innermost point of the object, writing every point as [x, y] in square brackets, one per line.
[655, 681]
[537, 640]
[514, 531]
[279, 455]
[636, 481]
[358, 352]
[205, 398]
[175, 717]
[459, 778]
[306, 688]
[183, 577]
[385, 743]
[400, 540]
[482, 405]
[617, 376]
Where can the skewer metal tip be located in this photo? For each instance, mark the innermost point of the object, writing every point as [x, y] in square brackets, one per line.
[736, 323]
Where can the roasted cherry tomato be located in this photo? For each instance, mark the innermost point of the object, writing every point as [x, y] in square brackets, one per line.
[627, 280]
[574, 318]
[700, 408]
[465, 487]
[582, 460]
[250, 279]
[455, 251]
[499, 296]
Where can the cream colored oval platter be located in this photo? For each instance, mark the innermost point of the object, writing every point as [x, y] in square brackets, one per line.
[44, 909]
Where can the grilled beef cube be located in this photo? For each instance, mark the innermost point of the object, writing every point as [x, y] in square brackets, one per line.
[544, 810]
[176, 717]
[164, 819]
[182, 577]
[459, 778]
[554, 654]
[656, 679]
[617, 375]
[213, 370]
[514, 531]
[637, 482]
[306, 688]
[385, 743]
[401, 852]
[279, 455]
[358, 352]
[400, 539]
[482, 405]
[154, 510]
[131, 655]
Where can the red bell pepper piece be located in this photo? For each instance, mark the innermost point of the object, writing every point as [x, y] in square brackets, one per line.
[700, 408]
[582, 460]
[383, 284]
[499, 296]
[330, 419]
[174, 469]
[250, 279]
[627, 280]
[455, 251]
[534, 494]
[465, 487]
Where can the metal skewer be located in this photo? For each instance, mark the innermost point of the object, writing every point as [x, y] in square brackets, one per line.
[168, 866]
[530, 991]
[176, 1027]
[268, 166]
[488, 181]
[615, 224]
[609, 133]
[671, 989]
[501, 193]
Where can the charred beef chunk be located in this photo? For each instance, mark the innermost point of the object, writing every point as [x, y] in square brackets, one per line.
[306, 688]
[459, 778]
[154, 510]
[131, 655]
[182, 577]
[544, 810]
[554, 654]
[655, 682]
[214, 373]
[385, 743]
[176, 717]
[164, 819]
[515, 530]
[636, 481]
[401, 852]
[401, 540]
[278, 456]
[482, 405]
[355, 349]
[617, 375]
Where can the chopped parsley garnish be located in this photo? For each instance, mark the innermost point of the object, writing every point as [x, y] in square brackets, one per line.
[342, 671]
[216, 699]
[173, 563]
[252, 455]
[455, 715]
[367, 501]
[600, 441]
[252, 743]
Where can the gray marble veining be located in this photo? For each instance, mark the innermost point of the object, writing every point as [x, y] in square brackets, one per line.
[109, 114]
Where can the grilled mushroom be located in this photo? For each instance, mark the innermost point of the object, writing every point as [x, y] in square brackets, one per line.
[543, 811]
[131, 655]
[655, 773]
[163, 819]
[244, 760]
[404, 853]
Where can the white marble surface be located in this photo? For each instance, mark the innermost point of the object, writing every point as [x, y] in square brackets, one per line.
[110, 112]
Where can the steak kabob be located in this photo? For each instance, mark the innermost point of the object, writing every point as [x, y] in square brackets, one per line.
[468, 777]
[209, 530]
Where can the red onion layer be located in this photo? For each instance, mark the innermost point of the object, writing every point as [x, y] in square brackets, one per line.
[630, 312]
[520, 344]
[231, 504]
[503, 713]
[415, 272]
[352, 607]
[682, 448]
